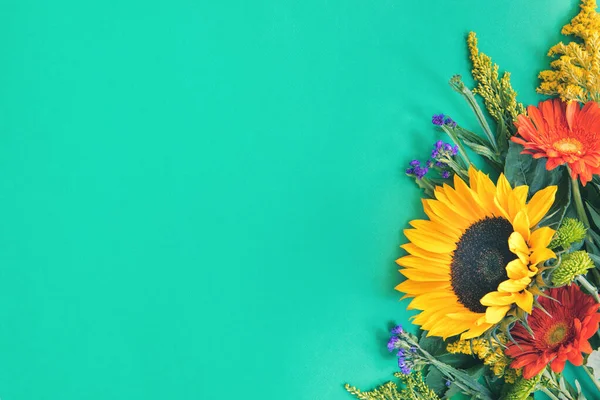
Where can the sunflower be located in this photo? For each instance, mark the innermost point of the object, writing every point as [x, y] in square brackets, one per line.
[563, 133]
[560, 336]
[476, 254]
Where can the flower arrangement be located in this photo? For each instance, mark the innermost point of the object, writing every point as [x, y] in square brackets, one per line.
[504, 269]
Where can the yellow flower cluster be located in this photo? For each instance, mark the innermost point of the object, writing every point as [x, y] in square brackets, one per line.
[498, 95]
[576, 73]
[490, 352]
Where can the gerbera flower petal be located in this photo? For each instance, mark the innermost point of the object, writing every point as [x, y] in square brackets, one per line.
[562, 133]
[558, 337]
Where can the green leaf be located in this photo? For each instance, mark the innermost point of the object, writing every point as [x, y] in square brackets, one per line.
[436, 380]
[594, 214]
[433, 345]
[522, 169]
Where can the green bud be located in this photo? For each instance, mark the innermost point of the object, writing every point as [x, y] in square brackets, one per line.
[571, 265]
[570, 231]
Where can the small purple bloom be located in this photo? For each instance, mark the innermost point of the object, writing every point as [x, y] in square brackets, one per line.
[450, 122]
[429, 163]
[391, 344]
[415, 163]
[445, 174]
[405, 370]
[435, 153]
[448, 383]
[440, 164]
[397, 330]
[454, 150]
[439, 144]
[410, 171]
[448, 147]
[400, 353]
[421, 172]
[438, 119]
[413, 349]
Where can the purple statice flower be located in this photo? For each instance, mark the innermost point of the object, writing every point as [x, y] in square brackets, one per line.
[397, 330]
[440, 164]
[415, 163]
[438, 119]
[404, 368]
[447, 147]
[413, 349]
[400, 353]
[421, 172]
[448, 383]
[454, 150]
[391, 344]
[410, 171]
[449, 122]
[445, 174]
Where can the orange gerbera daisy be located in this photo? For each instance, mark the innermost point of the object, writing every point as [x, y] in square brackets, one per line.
[563, 335]
[563, 133]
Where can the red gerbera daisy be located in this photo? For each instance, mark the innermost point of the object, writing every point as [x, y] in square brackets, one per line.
[563, 133]
[559, 337]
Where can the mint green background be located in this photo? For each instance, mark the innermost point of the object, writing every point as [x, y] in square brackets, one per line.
[204, 200]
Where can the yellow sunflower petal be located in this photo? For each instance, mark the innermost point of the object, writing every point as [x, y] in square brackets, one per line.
[524, 301]
[424, 276]
[476, 331]
[539, 204]
[485, 188]
[516, 269]
[423, 265]
[541, 255]
[516, 201]
[503, 190]
[436, 228]
[517, 245]
[428, 255]
[541, 237]
[447, 214]
[514, 285]
[497, 299]
[415, 287]
[493, 315]
[435, 244]
[521, 224]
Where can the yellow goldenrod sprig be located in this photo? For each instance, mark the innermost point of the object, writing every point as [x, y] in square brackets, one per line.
[490, 352]
[575, 75]
[499, 97]
[415, 389]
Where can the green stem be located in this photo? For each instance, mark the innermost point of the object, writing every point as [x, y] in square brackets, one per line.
[549, 393]
[589, 373]
[589, 287]
[461, 149]
[579, 202]
[461, 88]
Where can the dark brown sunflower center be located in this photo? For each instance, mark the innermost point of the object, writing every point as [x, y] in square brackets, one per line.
[479, 261]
